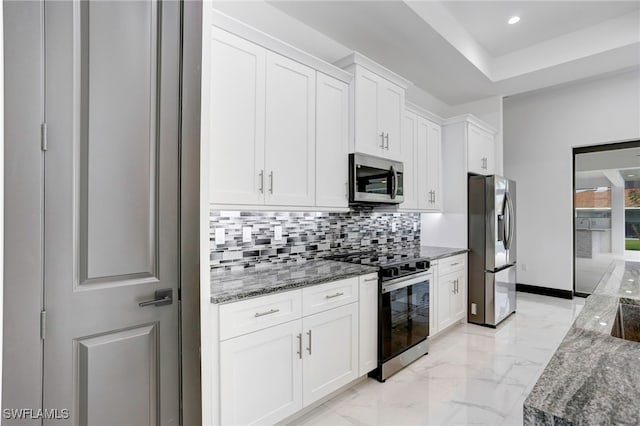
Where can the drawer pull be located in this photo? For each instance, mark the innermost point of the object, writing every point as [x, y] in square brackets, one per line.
[269, 312]
[371, 279]
[456, 263]
[331, 296]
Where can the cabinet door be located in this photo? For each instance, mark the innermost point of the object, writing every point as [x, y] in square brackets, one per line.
[422, 149]
[480, 151]
[444, 314]
[332, 144]
[458, 305]
[261, 376]
[330, 344]
[391, 108]
[410, 161]
[434, 163]
[368, 324]
[290, 132]
[368, 134]
[236, 96]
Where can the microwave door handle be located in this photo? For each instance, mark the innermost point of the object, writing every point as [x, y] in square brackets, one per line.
[394, 182]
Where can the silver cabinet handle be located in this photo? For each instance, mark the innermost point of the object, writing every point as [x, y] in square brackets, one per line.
[331, 296]
[261, 188]
[309, 348]
[434, 197]
[271, 182]
[455, 263]
[162, 297]
[382, 136]
[299, 345]
[371, 279]
[387, 138]
[269, 312]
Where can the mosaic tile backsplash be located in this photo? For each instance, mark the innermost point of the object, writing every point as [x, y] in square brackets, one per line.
[306, 235]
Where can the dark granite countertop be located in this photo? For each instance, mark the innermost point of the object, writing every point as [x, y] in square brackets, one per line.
[435, 253]
[593, 378]
[252, 282]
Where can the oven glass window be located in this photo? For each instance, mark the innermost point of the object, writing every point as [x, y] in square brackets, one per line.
[371, 180]
[405, 318]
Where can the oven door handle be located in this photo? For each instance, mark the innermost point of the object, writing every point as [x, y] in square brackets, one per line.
[403, 282]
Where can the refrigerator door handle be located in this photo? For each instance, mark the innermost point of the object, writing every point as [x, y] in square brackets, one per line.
[509, 224]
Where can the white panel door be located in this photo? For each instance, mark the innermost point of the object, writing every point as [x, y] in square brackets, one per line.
[422, 150]
[111, 204]
[236, 115]
[261, 376]
[332, 143]
[434, 164]
[368, 134]
[290, 132]
[409, 161]
[330, 344]
[368, 324]
[391, 108]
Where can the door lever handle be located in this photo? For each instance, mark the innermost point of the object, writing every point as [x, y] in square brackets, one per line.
[162, 297]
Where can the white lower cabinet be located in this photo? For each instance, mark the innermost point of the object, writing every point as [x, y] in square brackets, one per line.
[450, 289]
[261, 375]
[269, 374]
[330, 345]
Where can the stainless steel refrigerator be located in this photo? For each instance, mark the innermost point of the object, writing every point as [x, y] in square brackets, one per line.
[492, 245]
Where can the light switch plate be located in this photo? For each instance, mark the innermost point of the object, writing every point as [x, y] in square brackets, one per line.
[246, 234]
[474, 309]
[394, 227]
[220, 236]
[415, 227]
[277, 233]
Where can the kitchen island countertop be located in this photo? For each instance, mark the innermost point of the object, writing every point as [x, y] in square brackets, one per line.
[593, 378]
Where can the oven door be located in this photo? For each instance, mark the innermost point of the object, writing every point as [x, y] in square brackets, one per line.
[404, 314]
[375, 180]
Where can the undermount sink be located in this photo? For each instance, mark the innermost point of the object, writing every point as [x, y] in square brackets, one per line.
[627, 322]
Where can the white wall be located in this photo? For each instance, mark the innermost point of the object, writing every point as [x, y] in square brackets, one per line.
[540, 130]
[1, 186]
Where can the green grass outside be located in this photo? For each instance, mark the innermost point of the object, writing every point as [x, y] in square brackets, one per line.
[631, 244]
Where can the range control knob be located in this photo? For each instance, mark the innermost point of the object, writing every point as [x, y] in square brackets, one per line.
[390, 272]
[422, 265]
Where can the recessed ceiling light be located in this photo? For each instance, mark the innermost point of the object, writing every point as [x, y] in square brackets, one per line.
[513, 20]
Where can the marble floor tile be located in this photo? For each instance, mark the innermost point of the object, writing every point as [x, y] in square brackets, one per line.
[472, 375]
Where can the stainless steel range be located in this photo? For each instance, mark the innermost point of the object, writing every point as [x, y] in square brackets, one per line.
[403, 306]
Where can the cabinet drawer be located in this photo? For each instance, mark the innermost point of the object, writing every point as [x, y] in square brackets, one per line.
[452, 264]
[319, 298]
[256, 314]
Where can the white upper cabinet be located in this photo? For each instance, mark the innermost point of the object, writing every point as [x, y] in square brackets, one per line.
[430, 157]
[262, 122]
[368, 137]
[332, 142]
[391, 109]
[410, 160]
[422, 160]
[236, 117]
[289, 132]
[481, 154]
[378, 106]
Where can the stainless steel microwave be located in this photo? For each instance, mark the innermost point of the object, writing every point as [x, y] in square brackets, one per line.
[374, 180]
